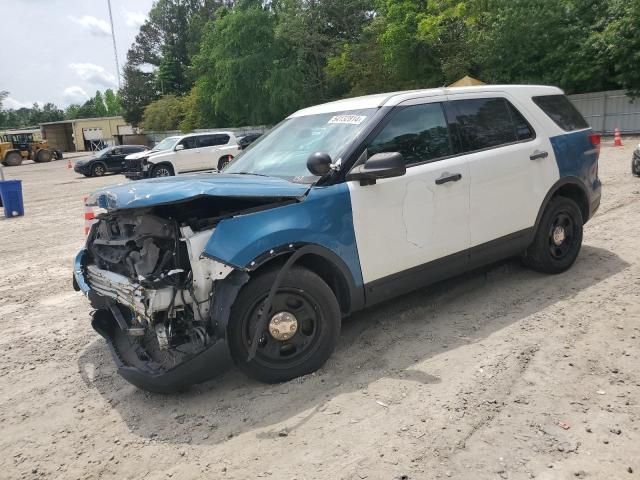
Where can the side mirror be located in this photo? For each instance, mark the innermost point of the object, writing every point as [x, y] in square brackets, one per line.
[179, 147]
[319, 163]
[381, 165]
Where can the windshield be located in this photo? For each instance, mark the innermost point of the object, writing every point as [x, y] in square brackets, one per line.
[165, 144]
[103, 152]
[284, 151]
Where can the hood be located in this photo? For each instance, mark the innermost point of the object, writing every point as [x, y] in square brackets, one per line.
[135, 156]
[159, 191]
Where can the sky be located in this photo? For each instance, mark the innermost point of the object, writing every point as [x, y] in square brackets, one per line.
[61, 51]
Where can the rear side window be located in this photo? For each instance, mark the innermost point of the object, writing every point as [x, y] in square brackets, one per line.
[560, 109]
[418, 132]
[487, 123]
[213, 140]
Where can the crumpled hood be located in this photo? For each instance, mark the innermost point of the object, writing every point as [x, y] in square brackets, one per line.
[159, 191]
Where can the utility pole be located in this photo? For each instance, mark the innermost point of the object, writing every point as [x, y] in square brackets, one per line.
[115, 49]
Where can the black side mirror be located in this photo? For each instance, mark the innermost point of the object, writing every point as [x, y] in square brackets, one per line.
[319, 163]
[381, 165]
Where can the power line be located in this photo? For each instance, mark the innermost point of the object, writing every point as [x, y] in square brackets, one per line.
[115, 49]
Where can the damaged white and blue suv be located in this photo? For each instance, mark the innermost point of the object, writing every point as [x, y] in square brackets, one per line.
[341, 206]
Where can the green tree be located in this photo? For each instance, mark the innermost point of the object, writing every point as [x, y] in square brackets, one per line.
[99, 105]
[246, 73]
[138, 90]
[166, 113]
[112, 102]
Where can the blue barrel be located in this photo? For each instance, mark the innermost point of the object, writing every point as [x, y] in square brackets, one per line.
[11, 194]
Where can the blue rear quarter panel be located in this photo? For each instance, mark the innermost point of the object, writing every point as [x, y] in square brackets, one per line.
[577, 157]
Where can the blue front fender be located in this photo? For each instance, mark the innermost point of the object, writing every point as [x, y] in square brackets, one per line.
[323, 218]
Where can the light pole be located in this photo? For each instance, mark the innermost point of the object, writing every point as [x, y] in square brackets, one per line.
[115, 49]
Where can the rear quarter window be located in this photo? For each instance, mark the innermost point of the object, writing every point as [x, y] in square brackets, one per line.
[560, 109]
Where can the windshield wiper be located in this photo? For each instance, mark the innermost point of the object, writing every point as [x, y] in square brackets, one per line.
[248, 173]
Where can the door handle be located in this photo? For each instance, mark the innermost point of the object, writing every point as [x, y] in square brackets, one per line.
[448, 178]
[537, 155]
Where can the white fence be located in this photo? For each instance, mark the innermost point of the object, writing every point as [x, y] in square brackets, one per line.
[606, 111]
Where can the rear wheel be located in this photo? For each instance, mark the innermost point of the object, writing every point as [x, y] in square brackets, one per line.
[558, 239]
[162, 171]
[98, 170]
[42, 156]
[224, 161]
[13, 159]
[303, 327]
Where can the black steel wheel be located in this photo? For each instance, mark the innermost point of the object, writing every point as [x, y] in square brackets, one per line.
[162, 171]
[559, 237]
[98, 170]
[635, 166]
[302, 331]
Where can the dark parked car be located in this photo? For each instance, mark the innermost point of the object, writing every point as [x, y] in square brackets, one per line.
[635, 162]
[246, 140]
[110, 159]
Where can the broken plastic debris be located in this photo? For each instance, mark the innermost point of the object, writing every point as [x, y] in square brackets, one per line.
[563, 425]
[382, 404]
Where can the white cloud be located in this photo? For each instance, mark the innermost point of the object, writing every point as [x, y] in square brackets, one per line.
[94, 74]
[95, 26]
[12, 103]
[75, 94]
[134, 19]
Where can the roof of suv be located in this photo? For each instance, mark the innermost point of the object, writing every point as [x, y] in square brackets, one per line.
[198, 134]
[392, 99]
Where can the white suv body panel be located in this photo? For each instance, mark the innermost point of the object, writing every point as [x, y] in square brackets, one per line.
[197, 158]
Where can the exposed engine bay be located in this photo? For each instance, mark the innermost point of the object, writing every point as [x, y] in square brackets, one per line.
[147, 269]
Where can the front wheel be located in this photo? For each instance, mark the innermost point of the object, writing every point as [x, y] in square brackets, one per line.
[635, 166]
[43, 156]
[303, 327]
[162, 171]
[558, 239]
[98, 170]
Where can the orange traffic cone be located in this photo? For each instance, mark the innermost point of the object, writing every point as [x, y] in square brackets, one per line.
[89, 217]
[617, 139]
[69, 163]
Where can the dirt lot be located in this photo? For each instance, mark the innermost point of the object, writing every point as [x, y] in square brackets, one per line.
[500, 374]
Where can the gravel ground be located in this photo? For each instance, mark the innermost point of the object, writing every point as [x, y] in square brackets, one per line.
[504, 373]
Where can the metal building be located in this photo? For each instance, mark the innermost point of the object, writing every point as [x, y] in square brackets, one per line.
[86, 134]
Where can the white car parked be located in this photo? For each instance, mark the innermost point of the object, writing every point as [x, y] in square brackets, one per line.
[184, 154]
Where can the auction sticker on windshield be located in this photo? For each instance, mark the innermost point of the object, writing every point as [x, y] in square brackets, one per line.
[350, 119]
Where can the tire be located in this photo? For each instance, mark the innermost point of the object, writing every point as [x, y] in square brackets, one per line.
[13, 159]
[317, 318]
[98, 170]
[558, 239]
[635, 166]
[43, 156]
[224, 161]
[162, 170]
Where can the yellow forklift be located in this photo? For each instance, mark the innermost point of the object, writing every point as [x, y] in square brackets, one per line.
[17, 146]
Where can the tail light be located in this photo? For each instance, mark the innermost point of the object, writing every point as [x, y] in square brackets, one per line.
[595, 139]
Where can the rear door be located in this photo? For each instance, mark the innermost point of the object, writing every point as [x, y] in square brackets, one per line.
[210, 150]
[511, 167]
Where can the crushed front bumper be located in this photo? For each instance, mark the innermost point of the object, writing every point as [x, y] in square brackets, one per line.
[131, 362]
[199, 368]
